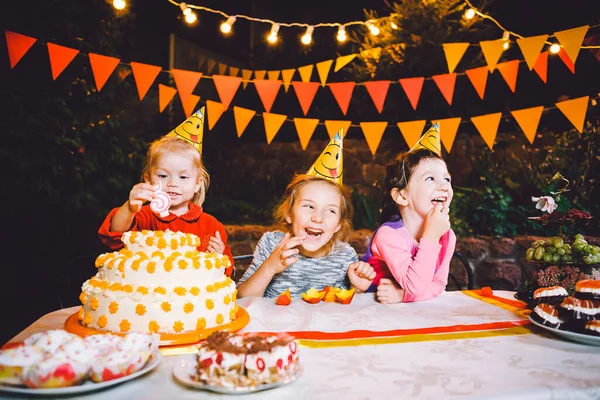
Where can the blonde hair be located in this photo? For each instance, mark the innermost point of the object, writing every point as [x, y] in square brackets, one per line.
[171, 144]
[291, 195]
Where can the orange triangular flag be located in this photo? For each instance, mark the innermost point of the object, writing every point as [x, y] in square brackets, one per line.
[273, 75]
[575, 111]
[214, 110]
[334, 127]
[226, 86]
[342, 61]
[454, 53]
[342, 91]
[487, 125]
[509, 71]
[287, 75]
[571, 40]
[528, 119]
[323, 69]
[233, 71]
[267, 91]
[222, 68]
[210, 65]
[102, 67]
[412, 87]
[306, 72]
[562, 54]
[144, 75]
[305, 128]
[446, 84]
[373, 132]
[242, 118]
[492, 50]
[260, 74]
[273, 123]
[305, 92]
[478, 78]
[17, 45]
[411, 131]
[60, 58]
[378, 91]
[448, 129]
[541, 66]
[185, 81]
[165, 95]
[531, 48]
[189, 104]
[246, 75]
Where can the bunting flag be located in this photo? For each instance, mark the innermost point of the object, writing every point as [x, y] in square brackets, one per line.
[562, 54]
[214, 110]
[273, 123]
[492, 50]
[330, 164]
[411, 131]
[478, 78]
[342, 91]
[60, 58]
[342, 61]
[267, 91]
[306, 72]
[334, 127]
[454, 53]
[305, 92]
[210, 65]
[273, 75]
[323, 70]
[378, 91]
[234, 71]
[242, 118]
[189, 104]
[373, 132]
[412, 87]
[260, 74]
[102, 68]
[446, 84]
[430, 141]
[509, 71]
[185, 81]
[571, 40]
[287, 75]
[246, 75]
[144, 75]
[192, 129]
[528, 119]
[165, 95]
[227, 87]
[541, 66]
[17, 45]
[222, 68]
[305, 128]
[575, 111]
[448, 129]
[487, 125]
[531, 48]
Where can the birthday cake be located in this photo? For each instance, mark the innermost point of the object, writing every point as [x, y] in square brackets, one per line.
[158, 283]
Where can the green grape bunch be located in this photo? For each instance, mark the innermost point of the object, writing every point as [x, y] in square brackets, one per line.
[555, 250]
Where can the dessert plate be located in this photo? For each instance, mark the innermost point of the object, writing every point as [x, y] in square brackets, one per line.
[185, 368]
[87, 386]
[576, 337]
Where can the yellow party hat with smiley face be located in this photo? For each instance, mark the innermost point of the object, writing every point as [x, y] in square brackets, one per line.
[430, 141]
[191, 130]
[330, 163]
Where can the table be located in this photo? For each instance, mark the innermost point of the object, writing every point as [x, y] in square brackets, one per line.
[460, 345]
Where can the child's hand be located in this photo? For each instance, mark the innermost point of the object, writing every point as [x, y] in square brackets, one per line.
[140, 193]
[437, 223]
[284, 254]
[215, 244]
[361, 274]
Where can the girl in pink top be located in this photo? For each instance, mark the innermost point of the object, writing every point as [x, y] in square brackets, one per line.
[411, 250]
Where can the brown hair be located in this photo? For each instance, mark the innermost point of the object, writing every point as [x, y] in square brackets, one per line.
[291, 195]
[171, 144]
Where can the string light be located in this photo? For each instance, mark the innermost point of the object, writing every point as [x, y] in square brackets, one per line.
[272, 38]
[393, 25]
[506, 38]
[372, 27]
[226, 26]
[119, 4]
[341, 34]
[307, 37]
[470, 13]
[554, 48]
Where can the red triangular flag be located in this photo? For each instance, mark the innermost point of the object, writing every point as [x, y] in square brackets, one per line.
[541, 66]
[342, 91]
[102, 67]
[446, 83]
[60, 58]
[305, 91]
[509, 71]
[412, 87]
[17, 45]
[378, 91]
[226, 86]
[165, 95]
[185, 81]
[478, 78]
[267, 91]
[144, 75]
[562, 54]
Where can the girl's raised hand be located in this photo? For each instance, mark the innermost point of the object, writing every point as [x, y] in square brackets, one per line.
[437, 223]
[139, 194]
[284, 254]
[361, 275]
[215, 244]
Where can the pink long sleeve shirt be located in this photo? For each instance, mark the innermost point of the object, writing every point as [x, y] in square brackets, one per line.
[421, 268]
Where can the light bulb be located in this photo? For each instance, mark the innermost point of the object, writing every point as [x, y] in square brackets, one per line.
[555, 48]
[119, 4]
[190, 17]
[226, 26]
[374, 29]
[307, 37]
[393, 25]
[341, 34]
[470, 13]
[272, 38]
[185, 9]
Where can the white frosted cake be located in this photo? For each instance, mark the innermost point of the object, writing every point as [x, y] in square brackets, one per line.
[158, 283]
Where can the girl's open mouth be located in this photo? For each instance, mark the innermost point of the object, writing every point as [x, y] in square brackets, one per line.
[313, 233]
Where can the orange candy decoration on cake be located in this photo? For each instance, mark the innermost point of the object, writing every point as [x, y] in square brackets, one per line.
[284, 299]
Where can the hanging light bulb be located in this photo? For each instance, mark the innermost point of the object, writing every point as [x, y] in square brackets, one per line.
[119, 4]
[226, 26]
[393, 25]
[185, 9]
[190, 17]
[555, 48]
[341, 34]
[272, 38]
[374, 29]
[307, 37]
[506, 38]
[470, 13]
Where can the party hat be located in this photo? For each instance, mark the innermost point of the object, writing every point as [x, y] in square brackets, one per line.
[330, 163]
[192, 129]
[430, 140]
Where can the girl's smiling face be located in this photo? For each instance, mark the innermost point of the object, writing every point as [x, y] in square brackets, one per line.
[178, 177]
[429, 184]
